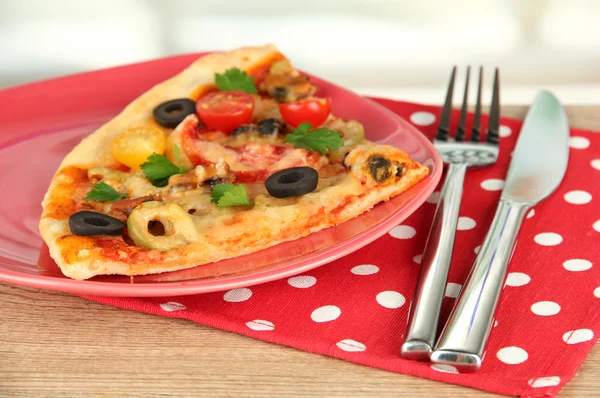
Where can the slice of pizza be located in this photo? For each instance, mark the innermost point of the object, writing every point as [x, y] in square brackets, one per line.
[235, 154]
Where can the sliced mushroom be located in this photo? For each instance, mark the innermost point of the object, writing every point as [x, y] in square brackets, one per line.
[288, 87]
[379, 168]
[203, 174]
[121, 209]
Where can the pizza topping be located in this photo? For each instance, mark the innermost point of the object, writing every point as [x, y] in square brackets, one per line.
[271, 126]
[87, 223]
[101, 192]
[288, 87]
[312, 110]
[295, 181]
[157, 226]
[133, 146]
[379, 168]
[224, 111]
[376, 164]
[322, 139]
[225, 195]
[159, 169]
[235, 79]
[267, 127]
[244, 128]
[212, 174]
[122, 209]
[169, 114]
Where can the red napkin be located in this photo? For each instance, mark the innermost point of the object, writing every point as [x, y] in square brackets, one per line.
[356, 308]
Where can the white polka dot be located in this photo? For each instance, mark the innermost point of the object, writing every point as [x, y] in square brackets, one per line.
[433, 198]
[302, 282]
[173, 306]
[548, 239]
[326, 313]
[517, 279]
[547, 381]
[596, 226]
[390, 299]
[260, 325]
[493, 184]
[512, 355]
[495, 323]
[504, 131]
[531, 213]
[351, 345]
[365, 269]
[597, 292]
[465, 223]
[595, 164]
[578, 336]
[578, 197]
[453, 290]
[403, 232]
[440, 367]
[237, 295]
[418, 258]
[577, 264]
[545, 308]
[579, 142]
[422, 118]
[476, 249]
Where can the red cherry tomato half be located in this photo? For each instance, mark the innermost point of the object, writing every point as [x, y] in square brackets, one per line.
[313, 110]
[225, 110]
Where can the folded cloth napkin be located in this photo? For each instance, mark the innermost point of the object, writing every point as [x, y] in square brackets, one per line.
[356, 308]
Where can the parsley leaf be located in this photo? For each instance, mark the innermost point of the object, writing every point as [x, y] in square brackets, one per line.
[101, 191]
[158, 169]
[235, 79]
[321, 139]
[225, 195]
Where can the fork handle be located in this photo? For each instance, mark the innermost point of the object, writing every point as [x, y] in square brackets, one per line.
[429, 293]
[463, 340]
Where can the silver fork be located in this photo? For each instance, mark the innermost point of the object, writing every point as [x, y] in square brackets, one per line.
[459, 155]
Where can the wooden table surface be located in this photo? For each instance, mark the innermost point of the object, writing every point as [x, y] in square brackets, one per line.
[54, 344]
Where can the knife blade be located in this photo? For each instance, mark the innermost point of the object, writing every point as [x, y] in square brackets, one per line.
[538, 166]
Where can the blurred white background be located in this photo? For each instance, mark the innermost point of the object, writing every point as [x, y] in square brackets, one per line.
[392, 48]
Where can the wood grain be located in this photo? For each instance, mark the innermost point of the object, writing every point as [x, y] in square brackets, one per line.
[53, 344]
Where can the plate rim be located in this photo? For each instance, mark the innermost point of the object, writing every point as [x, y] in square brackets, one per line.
[179, 288]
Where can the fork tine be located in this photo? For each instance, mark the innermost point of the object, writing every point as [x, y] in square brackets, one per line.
[476, 130]
[444, 125]
[460, 133]
[494, 120]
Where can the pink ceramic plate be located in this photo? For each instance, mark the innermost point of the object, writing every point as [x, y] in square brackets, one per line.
[41, 122]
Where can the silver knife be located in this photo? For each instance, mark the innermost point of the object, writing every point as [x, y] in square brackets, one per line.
[538, 166]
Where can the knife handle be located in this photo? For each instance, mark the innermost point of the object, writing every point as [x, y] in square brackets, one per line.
[463, 340]
[429, 293]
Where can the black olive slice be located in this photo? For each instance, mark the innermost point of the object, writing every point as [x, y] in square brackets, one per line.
[86, 223]
[269, 126]
[169, 114]
[295, 181]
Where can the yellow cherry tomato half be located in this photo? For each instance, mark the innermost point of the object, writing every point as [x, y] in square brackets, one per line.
[133, 146]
